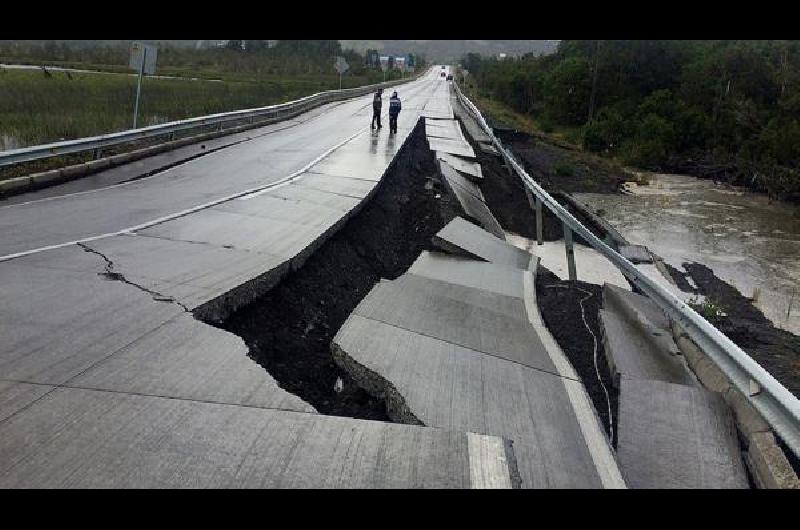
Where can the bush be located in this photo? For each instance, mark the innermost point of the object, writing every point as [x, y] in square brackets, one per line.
[564, 170]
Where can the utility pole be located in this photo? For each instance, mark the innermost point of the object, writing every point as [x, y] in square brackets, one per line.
[594, 80]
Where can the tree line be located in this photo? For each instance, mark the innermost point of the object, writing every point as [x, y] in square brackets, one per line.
[255, 57]
[729, 109]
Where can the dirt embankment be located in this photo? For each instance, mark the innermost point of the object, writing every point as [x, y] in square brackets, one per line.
[778, 351]
[560, 169]
[290, 328]
[505, 194]
[560, 304]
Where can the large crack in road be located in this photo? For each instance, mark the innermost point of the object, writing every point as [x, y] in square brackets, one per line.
[289, 329]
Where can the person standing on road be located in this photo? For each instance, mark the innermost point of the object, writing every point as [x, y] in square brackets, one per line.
[377, 102]
[394, 111]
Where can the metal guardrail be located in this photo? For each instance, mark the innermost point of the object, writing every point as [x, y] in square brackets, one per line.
[779, 407]
[36, 152]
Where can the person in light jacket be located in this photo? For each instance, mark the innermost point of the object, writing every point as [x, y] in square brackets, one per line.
[377, 102]
[394, 111]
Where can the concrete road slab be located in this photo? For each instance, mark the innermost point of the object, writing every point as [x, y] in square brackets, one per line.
[454, 147]
[488, 148]
[632, 352]
[188, 359]
[457, 270]
[447, 129]
[510, 306]
[15, 396]
[58, 323]
[304, 194]
[676, 436]
[192, 273]
[471, 199]
[636, 253]
[590, 265]
[454, 178]
[109, 440]
[350, 187]
[465, 322]
[280, 209]
[638, 339]
[635, 307]
[242, 232]
[460, 236]
[469, 168]
[448, 385]
[473, 130]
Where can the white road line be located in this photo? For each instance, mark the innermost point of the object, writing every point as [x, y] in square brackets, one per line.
[488, 466]
[161, 173]
[596, 441]
[204, 206]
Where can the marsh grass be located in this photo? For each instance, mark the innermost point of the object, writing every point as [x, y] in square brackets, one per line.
[36, 108]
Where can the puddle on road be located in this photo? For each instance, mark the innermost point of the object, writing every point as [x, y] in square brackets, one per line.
[746, 239]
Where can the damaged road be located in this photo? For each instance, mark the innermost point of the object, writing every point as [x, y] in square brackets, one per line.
[289, 329]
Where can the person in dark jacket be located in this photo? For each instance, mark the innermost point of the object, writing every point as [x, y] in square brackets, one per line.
[394, 111]
[376, 108]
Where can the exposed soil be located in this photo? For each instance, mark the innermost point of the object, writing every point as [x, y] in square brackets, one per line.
[560, 169]
[506, 198]
[290, 328]
[778, 351]
[559, 303]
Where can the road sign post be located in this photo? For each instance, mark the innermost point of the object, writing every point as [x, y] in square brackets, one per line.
[341, 66]
[143, 60]
[384, 66]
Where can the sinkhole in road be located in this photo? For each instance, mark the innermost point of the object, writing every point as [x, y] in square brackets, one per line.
[289, 328]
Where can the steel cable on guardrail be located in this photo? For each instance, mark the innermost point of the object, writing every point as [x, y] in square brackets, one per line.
[779, 407]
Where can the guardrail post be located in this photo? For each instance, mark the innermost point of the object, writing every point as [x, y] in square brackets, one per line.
[573, 275]
[539, 226]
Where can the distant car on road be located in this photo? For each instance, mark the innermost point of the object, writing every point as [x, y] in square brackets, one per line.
[449, 77]
[443, 74]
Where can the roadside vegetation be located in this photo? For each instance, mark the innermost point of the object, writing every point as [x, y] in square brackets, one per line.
[40, 106]
[728, 110]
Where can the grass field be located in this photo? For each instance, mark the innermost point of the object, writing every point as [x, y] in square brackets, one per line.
[36, 109]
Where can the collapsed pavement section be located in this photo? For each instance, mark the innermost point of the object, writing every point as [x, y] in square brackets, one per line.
[458, 343]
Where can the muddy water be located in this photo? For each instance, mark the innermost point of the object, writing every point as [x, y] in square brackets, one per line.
[746, 239]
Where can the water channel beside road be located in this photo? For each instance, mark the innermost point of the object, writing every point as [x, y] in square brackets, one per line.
[748, 240]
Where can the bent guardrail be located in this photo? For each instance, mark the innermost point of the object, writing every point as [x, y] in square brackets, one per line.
[36, 152]
[779, 407]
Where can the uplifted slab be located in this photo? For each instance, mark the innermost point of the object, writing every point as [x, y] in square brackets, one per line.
[637, 349]
[636, 253]
[469, 123]
[492, 324]
[469, 168]
[77, 438]
[439, 383]
[488, 148]
[448, 129]
[454, 147]
[469, 273]
[676, 436]
[460, 236]
[471, 199]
